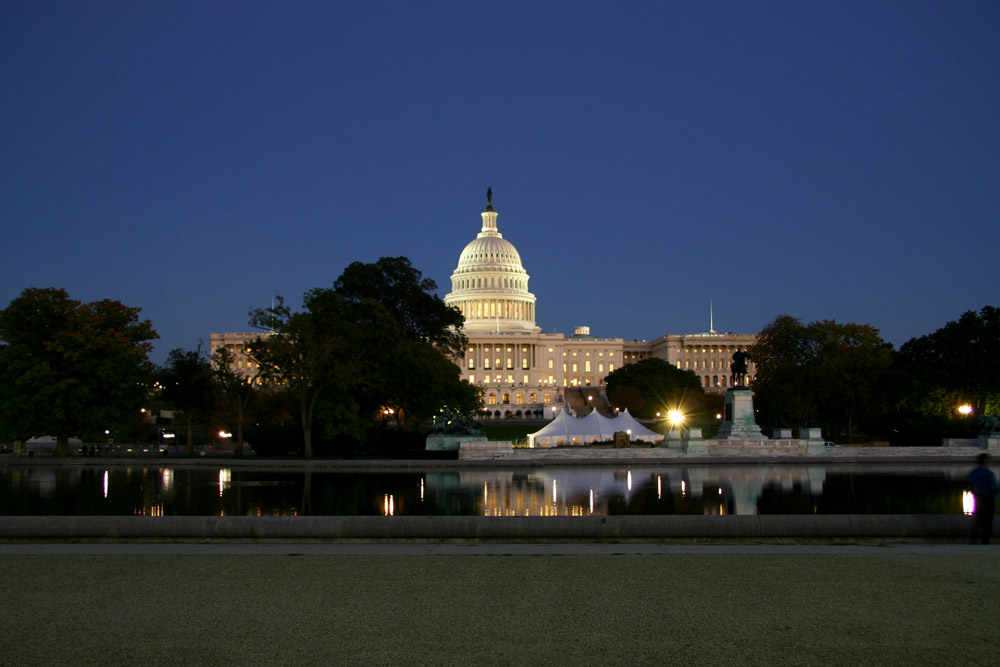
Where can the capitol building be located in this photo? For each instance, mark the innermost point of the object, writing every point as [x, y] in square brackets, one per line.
[523, 372]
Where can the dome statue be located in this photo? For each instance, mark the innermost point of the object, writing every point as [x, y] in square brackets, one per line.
[489, 286]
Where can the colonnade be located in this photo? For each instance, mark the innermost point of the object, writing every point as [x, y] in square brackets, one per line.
[506, 309]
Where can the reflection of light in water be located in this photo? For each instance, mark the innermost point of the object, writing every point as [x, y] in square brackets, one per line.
[105, 483]
[720, 492]
[968, 502]
[659, 487]
[388, 503]
[421, 489]
[167, 478]
[553, 492]
[683, 488]
[629, 480]
[591, 501]
[225, 477]
[486, 494]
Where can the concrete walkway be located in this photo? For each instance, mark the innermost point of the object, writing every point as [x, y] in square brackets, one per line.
[522, 604]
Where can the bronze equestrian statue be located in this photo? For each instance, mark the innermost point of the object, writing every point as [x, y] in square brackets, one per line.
[739, 369]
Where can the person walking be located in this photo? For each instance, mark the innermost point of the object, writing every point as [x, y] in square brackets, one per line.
[983, 484]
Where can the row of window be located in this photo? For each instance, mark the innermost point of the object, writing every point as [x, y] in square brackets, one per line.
[718, 381]
[498, 364]
[504, 398]
[720, 349]
[505, 283]
[569, 382]
[588, 367]
[505, 309]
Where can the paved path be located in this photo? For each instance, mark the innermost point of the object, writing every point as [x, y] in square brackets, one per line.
[459, 604]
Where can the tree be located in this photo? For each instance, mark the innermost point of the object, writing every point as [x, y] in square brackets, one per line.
[188, 385]
[782, 390]
[393, 282]
[850, 362]
[322, 352]
[237, 388]
[68, 368]
[825, 371]
[958, 363]
[653, 385]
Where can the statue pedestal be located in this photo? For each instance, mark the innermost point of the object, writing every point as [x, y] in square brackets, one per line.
[738, 421]
[441, 442]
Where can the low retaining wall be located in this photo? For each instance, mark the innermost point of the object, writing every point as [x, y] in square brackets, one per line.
[491, 528]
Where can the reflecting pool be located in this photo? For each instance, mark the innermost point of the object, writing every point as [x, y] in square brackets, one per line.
[545, 491]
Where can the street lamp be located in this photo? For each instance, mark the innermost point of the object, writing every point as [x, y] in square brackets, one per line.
[965, 410]
[676, 420]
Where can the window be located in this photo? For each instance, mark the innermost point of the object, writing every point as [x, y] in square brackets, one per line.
[600, 367]
[510, 363]
[575, 367]
[533, 398]
[472, 364]
[492, 400]
[525, 381]
[550, 363]
[611, 368]
[519, 399]
[510, 378]
[547, 398]
[486, 363]
[524, 364]
[506, 399]
[472, 378]
[586, 366]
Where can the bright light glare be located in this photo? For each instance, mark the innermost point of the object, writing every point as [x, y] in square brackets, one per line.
[225, 434]
[225, 478]
[968, 502]
[965, 409]
[675, 417]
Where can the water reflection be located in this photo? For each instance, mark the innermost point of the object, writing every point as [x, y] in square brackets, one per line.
[547, 491]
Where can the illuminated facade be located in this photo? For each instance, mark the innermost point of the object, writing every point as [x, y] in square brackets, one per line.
[521, 371]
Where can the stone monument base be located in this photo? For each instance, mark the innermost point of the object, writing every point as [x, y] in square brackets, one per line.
[738, 422]
[439, 442]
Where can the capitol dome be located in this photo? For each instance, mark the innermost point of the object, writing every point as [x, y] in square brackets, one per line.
[490, 287]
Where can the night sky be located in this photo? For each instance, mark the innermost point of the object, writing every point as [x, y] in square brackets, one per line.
[826, 160]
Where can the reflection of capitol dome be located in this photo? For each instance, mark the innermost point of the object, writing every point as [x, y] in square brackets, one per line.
[490, 287]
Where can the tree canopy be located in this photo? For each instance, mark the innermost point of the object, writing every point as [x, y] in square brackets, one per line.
[829, 373]
[958, 363]
[377, 341]
[394, 283]
[188, 385]
[653, 385]
[69, 368]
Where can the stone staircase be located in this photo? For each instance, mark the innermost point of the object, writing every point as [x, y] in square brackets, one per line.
[580, 401]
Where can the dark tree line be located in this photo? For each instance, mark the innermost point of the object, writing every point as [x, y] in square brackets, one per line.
[375, 349]
[369, 357]
[847, 380]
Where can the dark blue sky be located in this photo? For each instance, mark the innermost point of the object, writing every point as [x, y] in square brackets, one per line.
[835, 160]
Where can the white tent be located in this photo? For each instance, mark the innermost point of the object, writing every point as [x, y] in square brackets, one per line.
[595, 427]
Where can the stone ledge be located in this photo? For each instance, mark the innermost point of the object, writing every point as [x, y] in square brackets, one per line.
[479, 449]
[936, 526]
